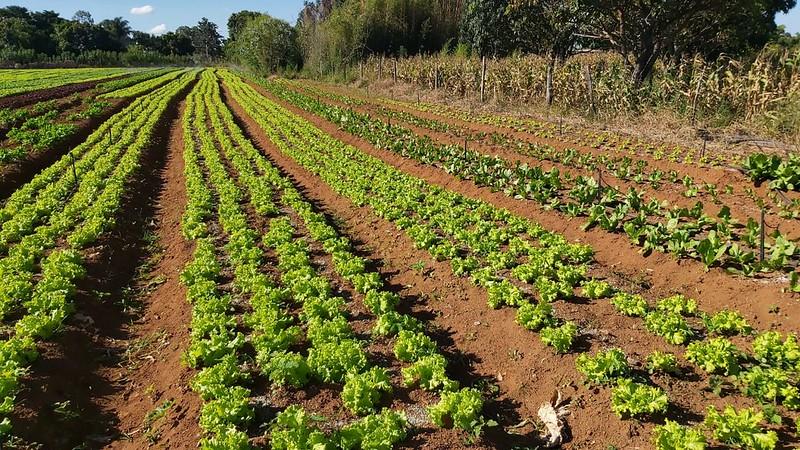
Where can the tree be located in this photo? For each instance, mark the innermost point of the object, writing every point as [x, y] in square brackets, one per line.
[266, 44]
[643, 30]
[174, 43]
[237, 21]
[84, 17]
[486, 27]
[15, 33]
[206, 39]
[119, 29]
[78, 37]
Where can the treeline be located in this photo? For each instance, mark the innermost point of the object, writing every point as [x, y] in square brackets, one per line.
[331, 34]
[45, 38]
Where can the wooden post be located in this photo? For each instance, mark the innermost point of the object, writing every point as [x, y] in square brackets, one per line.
[380, 68]
[394, 71]
[548, 90]
[361, 69]
[483, 77]
[465, 148]
[590, 88]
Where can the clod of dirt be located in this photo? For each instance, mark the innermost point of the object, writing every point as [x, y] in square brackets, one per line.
[553, 415]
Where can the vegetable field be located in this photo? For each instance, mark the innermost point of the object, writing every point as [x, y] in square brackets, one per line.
[204, 258]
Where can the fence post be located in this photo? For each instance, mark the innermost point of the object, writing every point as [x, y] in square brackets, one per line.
[380, 69]
[590, 88]
[548, 90]
[361, 69]
[394, 72]
[436, 77]
[483, 77]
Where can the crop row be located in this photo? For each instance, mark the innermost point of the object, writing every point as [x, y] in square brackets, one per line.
[619, 162]
[122, 83]
[333, 352]
[143, 86]
[26, 80]
[48, 221]
[442, 223]
[648, 223]
[43, 126]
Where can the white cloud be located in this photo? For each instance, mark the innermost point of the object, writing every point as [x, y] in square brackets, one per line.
[141, 10]
[158, 29]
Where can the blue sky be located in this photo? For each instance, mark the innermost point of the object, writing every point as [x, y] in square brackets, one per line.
[174, 13]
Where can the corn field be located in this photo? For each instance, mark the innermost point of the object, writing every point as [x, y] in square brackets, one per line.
[764, 93]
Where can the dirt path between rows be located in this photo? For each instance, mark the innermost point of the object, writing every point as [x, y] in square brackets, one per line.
[155, 405]
[118, 357]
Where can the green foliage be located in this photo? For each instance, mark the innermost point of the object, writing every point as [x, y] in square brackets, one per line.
[604, 367]
[678, 304]
[460, 409]
[504, 293]
[380, 431]
[282, 368]
[331, 361]
[293, 429]
[727, 322]
[771, 349]
[672, 327]
[660, 362]
[596, 289]
[673, 436]
[630, 304]
[560, 337]
[428, 373]
[363, 390]
[740, 428]
[230, 409]
[410, 346]
[535, 316]
[716, 355]
[629, 398]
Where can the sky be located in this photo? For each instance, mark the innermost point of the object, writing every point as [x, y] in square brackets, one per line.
[160, 16]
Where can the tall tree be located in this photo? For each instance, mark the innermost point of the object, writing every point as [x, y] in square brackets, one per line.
[237, 21]
[83, 16]
[206, 39]
[643, 30]
[119, 29]
[486, 27]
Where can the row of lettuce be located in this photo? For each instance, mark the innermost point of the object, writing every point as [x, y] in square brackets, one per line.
[648, 222]
[296, 323]
[48, 221]
[471, 234]
[46, 124]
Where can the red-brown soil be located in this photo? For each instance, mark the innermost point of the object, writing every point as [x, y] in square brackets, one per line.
[742, 207]
[29, 98]
[115, 357]
[526, 372]
[15, 174]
